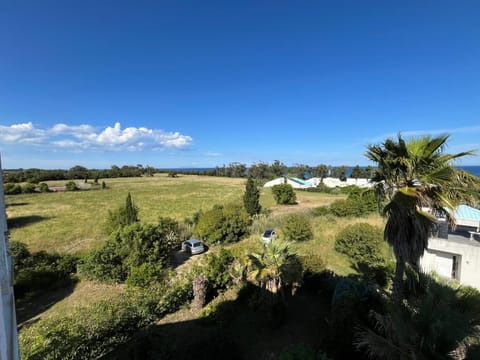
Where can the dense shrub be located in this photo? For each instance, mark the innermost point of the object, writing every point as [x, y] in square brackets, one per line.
[71, 186]
[221, 224]
[284, 194]
[362, 242]
[358, 203]
[297, 227]
[129, 247]
[12, 189]
[145, 275]
[216, 269]
[41, 271]
[28, 188]
[321, 211]
[19, 252]
[43, 187]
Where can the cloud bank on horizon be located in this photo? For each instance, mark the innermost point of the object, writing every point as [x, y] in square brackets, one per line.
[87, 137]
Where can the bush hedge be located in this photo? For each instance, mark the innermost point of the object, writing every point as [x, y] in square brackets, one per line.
[284, 194]
[223, 224]
[362, 242]
[297, 227]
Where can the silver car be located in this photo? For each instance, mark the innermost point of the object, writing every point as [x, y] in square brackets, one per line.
[193, 246]
[268, 236]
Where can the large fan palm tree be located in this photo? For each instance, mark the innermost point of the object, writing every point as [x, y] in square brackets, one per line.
[412, 176]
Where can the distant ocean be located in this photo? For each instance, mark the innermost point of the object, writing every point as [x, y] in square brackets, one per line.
[475, 170]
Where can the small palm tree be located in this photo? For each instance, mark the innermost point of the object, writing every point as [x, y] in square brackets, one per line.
[412, 176]
[274, 268]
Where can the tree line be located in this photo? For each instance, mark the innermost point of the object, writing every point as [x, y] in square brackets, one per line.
[259, 170]
[75, 173]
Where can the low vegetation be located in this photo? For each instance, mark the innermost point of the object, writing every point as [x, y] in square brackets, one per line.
[330, 284]
[284, 194]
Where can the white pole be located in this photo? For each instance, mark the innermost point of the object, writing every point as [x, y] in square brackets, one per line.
[8, 321]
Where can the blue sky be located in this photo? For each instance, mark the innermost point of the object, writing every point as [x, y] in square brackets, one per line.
[206, 83]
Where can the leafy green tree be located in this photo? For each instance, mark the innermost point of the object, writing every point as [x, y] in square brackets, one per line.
[278, 169]
[297, 227]
[259, 171]
[227, 223]
[356, 173]
[284, 194]
[320, 171]
[251, 198]
[413, 175]
[127, 248]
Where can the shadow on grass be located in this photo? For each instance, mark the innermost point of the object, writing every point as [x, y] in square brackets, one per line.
[16, 204]
[21, 221]
[27, 309]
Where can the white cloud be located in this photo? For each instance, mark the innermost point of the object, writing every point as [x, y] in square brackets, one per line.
[21, 133]
[85, 137]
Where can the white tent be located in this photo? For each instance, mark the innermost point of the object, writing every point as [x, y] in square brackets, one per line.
[8, 322]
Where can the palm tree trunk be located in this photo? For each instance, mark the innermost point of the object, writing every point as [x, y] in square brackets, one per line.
[398, 284]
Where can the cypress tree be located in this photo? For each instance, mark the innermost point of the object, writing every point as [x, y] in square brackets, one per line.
[131, 211]
[251, 198]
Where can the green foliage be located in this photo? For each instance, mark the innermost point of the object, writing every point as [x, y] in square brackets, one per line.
[71, 186]
[19, 252]
[216, 268]
[12, 189]
[251, 198]
[90, 333]
[43, 187]
[433, 323]
[221, 224]
[313, 263]
[123, 216]
[145, 275]
[284, 194]
[130, 247]
[358, 203]
[28, 188]
[297, 227]
[35, 273]
[362, 243]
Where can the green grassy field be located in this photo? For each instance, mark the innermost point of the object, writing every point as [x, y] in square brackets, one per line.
[73, 222]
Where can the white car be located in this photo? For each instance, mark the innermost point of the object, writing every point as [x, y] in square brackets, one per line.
[268, 236]
[193, 246]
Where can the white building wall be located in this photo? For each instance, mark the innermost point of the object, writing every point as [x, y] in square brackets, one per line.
[8, 322]
[468, 256]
